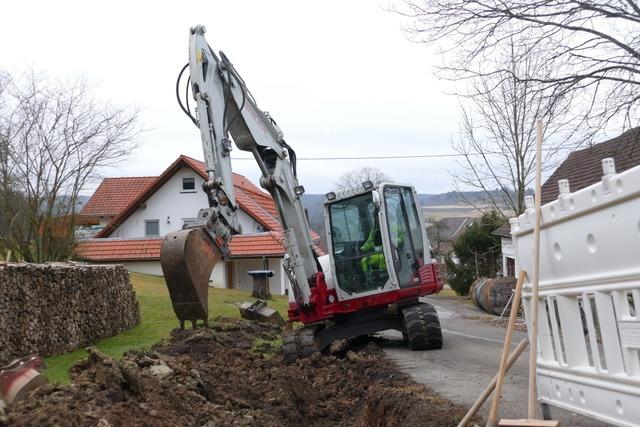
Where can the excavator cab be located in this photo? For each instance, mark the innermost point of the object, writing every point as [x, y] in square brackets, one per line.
[376, 239]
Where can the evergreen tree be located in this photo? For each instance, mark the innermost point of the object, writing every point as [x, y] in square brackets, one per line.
[476, 253]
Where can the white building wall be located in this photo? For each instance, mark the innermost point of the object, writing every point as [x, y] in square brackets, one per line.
[146, 267]
[508, 251]
[218, 275]
[169, 205]
[242, 281]
[249, 225]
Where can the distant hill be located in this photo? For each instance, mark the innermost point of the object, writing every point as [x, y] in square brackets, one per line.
[453, 197]
[81, 201]
[63, 201]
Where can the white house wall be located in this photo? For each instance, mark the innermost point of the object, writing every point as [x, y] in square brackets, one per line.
[508, 251]
[169, 205]
[218, 276]
[249, 225]
[153, 267]
[242, 281]
[146, 267]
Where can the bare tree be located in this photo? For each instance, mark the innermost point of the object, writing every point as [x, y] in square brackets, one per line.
[497, 141]
[438, 234]
[596, 44]
[57, 138]
[9, 196]
[353, 179]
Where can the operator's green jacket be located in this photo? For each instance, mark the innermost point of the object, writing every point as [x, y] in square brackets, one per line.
[376, 261]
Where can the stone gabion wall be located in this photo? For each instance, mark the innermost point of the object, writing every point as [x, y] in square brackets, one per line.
[48, 309]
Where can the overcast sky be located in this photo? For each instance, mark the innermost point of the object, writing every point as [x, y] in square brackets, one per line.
[340, 77]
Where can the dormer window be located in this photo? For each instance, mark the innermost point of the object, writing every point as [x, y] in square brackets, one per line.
[188, 184]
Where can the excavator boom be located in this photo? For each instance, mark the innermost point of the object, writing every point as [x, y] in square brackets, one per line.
[227, 115]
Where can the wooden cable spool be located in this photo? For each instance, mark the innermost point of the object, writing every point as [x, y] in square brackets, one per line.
[492, 295]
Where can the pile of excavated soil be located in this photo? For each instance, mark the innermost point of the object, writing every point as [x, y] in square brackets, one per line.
[230, 375]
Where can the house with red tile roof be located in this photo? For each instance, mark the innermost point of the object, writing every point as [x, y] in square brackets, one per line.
[136, 213]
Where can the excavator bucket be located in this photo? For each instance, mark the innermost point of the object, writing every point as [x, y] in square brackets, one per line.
[187, 258]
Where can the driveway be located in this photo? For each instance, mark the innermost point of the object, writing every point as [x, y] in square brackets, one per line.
[469, 360]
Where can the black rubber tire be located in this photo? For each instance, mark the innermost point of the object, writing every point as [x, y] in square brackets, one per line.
[299, 343]
[422, 327]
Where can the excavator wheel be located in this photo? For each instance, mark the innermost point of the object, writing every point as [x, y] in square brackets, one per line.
[299, 343]
[422, 327]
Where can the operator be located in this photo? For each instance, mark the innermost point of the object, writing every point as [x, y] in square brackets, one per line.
[376, 261]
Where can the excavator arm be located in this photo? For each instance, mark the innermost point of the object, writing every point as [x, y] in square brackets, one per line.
[227, 114]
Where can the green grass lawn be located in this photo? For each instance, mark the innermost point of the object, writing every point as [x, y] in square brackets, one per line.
[158, 319]
[447, 292]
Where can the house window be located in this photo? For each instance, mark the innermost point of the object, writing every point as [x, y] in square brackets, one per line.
[151, 227]
[188, 185]
[188, 221]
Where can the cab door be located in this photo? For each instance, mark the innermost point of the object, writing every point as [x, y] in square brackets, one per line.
[406, 248]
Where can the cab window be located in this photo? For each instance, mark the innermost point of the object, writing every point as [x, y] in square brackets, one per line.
[357, 244]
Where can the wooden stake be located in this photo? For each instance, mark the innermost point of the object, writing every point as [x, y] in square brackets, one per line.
[515, 305]
[533, 332]
[487, 391]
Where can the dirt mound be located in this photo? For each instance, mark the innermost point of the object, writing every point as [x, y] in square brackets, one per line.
[232, 374]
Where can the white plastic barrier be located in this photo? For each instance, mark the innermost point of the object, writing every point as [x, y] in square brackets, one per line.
[589, 296]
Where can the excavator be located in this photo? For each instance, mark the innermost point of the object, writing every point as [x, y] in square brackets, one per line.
[378, 263]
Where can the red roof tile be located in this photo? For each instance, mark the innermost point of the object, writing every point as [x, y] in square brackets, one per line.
[262, 198]
[241, 245]
[113, 195]
[248, 245]
[252, 207]
[119, 249]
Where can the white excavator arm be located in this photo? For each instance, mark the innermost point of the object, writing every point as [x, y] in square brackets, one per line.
[227, 113]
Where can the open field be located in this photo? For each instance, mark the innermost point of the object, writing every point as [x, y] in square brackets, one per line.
[158, 319]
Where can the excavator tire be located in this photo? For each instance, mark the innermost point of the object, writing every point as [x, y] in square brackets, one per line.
[299, 343]
[422, 327]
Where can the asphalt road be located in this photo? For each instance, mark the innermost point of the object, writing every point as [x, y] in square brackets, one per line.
[469, 360]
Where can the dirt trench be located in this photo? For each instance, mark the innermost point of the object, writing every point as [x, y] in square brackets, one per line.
[233, 374]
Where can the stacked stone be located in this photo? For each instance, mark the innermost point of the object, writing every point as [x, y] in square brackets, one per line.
[54, 308]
